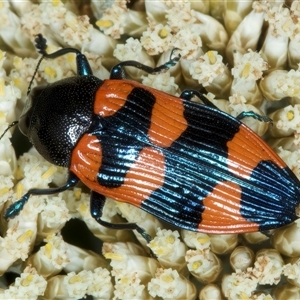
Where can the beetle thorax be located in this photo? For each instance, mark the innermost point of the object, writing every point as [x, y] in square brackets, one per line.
[59, 115]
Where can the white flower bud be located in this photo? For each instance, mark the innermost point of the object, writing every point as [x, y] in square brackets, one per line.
[241, 258]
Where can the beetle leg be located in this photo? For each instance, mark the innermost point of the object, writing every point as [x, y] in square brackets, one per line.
[16, 207]
[97, 204]
[118, 72]
[252, 114]
[189, 94]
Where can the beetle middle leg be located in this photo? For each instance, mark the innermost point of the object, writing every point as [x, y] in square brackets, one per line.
[189, 94]
[118, 72]
[97, 204]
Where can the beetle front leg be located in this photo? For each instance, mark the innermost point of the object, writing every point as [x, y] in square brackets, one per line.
[16, 207]
[97, 204]
[118, 72]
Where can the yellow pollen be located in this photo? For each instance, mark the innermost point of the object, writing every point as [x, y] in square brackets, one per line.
[286, 27]
[236, 283]
[290, 115]
[196, 265]
[19, 173]
[1, 5]
[167, 278]
[25, 236]
[105, 23]
[77, 193]
[17, 82]
[163, 33]
[212, 58]
[203, 240]
[294, 92]
[27, 280]
[159, 251]
[1, 52]
[17, 62]
[55, 2]
[75, 279]
[20, 189]
[50, 72]
[170, 239]
[3, 191]
[2, 88]
[198, 70]
[2, 115]
[153, 244]
[48, 250]
[244, 296]
[83, 208]
[49, 237]
[49, 172]
[114, 256]
[124, 280]
[246, 70]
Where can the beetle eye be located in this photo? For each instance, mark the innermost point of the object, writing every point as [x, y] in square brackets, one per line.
[25, 119]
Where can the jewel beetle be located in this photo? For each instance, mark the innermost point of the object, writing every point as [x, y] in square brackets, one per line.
[187, 163]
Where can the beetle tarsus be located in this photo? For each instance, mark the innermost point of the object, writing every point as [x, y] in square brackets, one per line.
[12, 124]
[252, 114]
[143, 233]
[173, 61]
[13, 210]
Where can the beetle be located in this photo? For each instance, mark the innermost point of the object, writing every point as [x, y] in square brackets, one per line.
[187, 163]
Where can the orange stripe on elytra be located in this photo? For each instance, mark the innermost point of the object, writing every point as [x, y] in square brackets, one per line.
[143, 178]
[145, 175]
[246, 150]
[111, 96]
[167, 119]
[86, 158]
[222, 211]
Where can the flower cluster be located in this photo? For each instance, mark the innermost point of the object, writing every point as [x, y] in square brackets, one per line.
[243, 55]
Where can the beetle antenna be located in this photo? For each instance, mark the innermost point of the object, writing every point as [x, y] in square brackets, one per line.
[83, 67]
[41, 46]
[14, 123]
[32, 78]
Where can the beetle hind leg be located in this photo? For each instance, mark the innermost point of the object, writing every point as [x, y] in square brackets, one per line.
[252, 114]
[97, 204]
